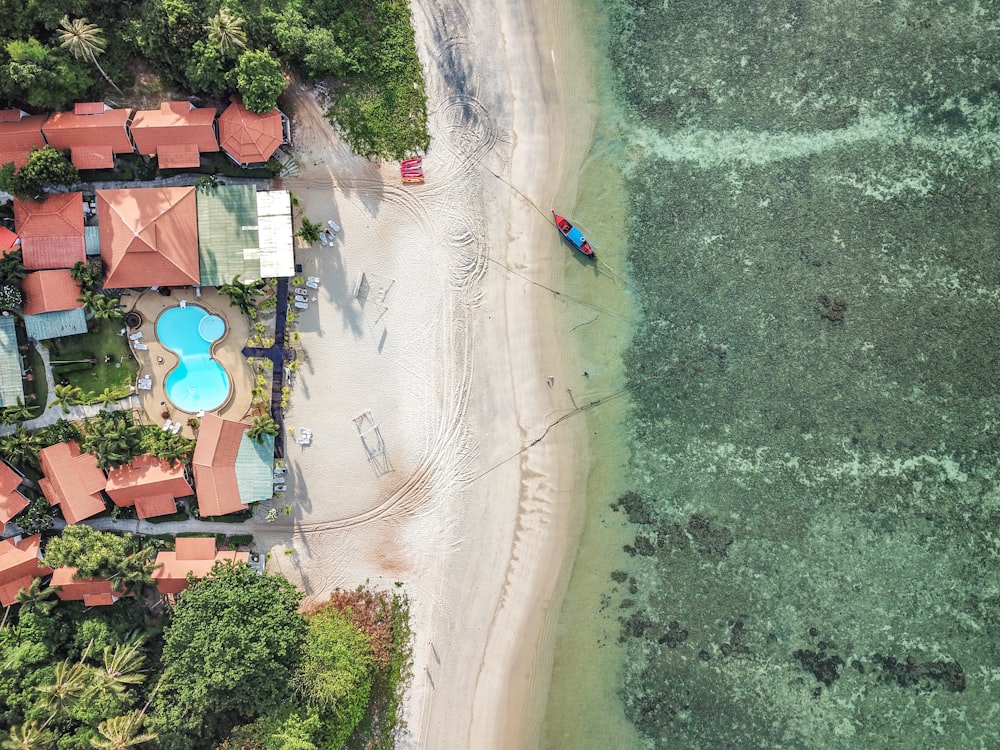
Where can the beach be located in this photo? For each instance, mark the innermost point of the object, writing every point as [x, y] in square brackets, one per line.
[437, 466]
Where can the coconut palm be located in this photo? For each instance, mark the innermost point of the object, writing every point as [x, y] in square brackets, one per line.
[107, 396]
[242, 295]
[85, 41]
[12, 266]
[226, 32]
[122, 732]
[309, 230]
[66, 395]
[28, 736]
[15, 413]
[71, 682]
[21, 447]
[122, 666]
[262, 425]
[36, 598]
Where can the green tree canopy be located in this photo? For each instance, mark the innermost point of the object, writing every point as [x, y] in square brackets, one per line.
[260, 80]
[93, 553]
[43, 77]
[230, 651]
[112, 436]
[45, 167]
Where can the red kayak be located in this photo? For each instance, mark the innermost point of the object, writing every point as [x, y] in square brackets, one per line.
[574, 236]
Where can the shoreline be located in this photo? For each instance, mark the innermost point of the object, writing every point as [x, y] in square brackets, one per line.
[476, 518]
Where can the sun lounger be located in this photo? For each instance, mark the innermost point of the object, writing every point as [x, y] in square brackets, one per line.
[141, 346]
[323, 239]
[334, 226]
[145, 384]
[197, 291]
[279, 470]
[280, 487]
[167, 425]
[135, 336]
[302, 305]
[184, 303]
[176, 428]
[312, 282]
[301, 298]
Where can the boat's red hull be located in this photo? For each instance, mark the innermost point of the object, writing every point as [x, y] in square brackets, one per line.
[573, 235]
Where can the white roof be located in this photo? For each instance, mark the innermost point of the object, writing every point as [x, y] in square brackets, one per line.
[274, 226]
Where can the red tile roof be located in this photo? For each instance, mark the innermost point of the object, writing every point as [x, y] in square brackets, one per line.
[51, 230]
[247, 137]
[19, 565]
[160, 131]
[8, 240]
[214, 465]
[195, 555]
[150, 484]
[90, 108]
[91, 138]
[73, 480]
[50, 291]
[19, 134]
[149, 236]
[12, 502]
[91, 591]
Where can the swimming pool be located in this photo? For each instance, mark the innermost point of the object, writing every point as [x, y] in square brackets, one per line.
[199, 381]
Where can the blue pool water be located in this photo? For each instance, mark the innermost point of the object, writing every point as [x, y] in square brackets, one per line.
[198, 382]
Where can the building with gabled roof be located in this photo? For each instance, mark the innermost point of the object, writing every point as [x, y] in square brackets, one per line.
[194, 555]
[12, 501]
[177, 134]
[149, 236]
[11, 374]
[250, 139]
[72, 480]
[149, 483]
[214, 465]
[20, 134]
[51, 231]
[8, 240]
[20, 564]
[93, 592]
[93, 133]
[50, 291]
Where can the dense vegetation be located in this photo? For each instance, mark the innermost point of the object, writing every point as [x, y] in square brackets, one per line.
[62, 51]
[234, 665]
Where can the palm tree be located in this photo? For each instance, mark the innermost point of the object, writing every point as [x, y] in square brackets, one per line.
[107, 396]
[309, 230]
[122, 666]
[28, 736]
[66, 395]
[36, 598]
[134, 572]
[72, 682]
[262, 425]
[242, 295]
[226, 33]
[15, 413]
[12, 266]
[84, 40]
[21, 447]
[106, 307]
[122, 732]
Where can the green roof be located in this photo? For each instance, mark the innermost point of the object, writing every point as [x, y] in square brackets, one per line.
[52, 325]
[10, 363]
[228, 239]
[255, 469]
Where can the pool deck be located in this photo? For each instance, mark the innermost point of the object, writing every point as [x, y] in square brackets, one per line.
[157, 361]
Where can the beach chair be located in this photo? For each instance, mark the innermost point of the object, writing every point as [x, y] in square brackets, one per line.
[323, 239]
[135, 336]
[280, 487]
[301, 298]
[302, 305]
[176, 428]
[334, 226]
[141, 346]
[312, 282]
[184, 303]
[167, 425]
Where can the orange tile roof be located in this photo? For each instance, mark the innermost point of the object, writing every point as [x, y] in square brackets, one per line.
[51, 230]
[195, 555]
[91, 591]
[50, 291]
[92, 139]
[149, 483]
[174, 124]
[12, 502]
[19, 565]
[248, 137]
[19, 134]
[90, 108]
[73, 481]
[8, 240]
[214, 465]
[149, 236]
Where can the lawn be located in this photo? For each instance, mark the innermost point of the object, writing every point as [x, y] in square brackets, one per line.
[115, 368]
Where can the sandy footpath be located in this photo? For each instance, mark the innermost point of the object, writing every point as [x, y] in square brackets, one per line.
[425, 356]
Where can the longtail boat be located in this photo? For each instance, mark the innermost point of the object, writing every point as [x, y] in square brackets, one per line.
[574, 235]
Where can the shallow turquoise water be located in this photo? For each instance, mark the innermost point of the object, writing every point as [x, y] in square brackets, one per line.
[810, 496]
[198, 382]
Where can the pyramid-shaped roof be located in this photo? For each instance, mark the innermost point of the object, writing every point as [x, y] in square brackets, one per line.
[249, 138]
[177, 133]
[50, 291]
[149, 236]
[73, 481]
[214, 465]
[19, 134]
[51, 230]
[19, 565]
[92, 138]
[149, 483]
[195, 555]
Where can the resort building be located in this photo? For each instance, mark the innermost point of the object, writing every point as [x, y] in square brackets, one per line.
[250, 139]
[93, 133]
[230, 469]
[8, 241]
[12, 501]
[194, 556]
[149, 237]
[20, 133]
[20, 564]
[150, 484]
[11, 367]
[177, 134]
[51, 231]
[93, 592]
[51, 305]
[72, 480]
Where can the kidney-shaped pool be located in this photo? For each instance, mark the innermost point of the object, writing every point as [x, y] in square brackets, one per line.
[198, 382]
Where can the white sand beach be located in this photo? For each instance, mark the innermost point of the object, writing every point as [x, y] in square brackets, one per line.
[427, 395]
